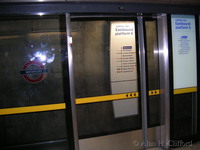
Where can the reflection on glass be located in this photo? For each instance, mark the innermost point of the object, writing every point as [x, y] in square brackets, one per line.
[40, 13]
[41, 50]
[30, 42]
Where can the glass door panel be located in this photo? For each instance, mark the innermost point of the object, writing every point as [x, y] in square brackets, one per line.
[105, 72]
[31, 86]
[153, 78]
[107, 80]
[153, 72]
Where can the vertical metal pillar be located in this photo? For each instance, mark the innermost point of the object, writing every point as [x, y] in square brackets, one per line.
[164, 139]
[71, 105]
[143, 91]
[198, 84]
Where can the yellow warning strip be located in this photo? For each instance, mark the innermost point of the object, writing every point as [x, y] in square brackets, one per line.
[106, 98]
[154, 92]
[60, 106]
[30, 109]
[50, 107]
[185, 90]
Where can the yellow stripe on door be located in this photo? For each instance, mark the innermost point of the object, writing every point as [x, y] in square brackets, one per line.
[31, 109]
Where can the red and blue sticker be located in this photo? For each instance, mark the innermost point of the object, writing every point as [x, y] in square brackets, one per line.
[33, 71]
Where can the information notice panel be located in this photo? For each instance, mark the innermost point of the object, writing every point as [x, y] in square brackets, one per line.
[123, 68]
[184, 51]
[123, 51]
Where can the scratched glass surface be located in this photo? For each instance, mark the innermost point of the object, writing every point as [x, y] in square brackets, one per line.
[31, 64]
[31, 74]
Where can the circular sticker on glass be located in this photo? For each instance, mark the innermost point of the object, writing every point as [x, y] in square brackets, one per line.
[33, 71]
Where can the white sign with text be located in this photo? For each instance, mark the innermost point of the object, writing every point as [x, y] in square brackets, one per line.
[184, 51]
[123, 67]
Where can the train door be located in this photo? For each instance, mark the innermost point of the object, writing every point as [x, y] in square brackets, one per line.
[119, 81]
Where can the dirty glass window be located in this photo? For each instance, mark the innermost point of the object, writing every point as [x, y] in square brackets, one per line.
[153, 71]
[101, 59]
[31, 74]
[104, 56]
[30, 53]
[91, 58]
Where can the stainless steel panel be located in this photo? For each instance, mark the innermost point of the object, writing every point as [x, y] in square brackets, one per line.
[164, 81]
[142, 61]
[72, 92]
